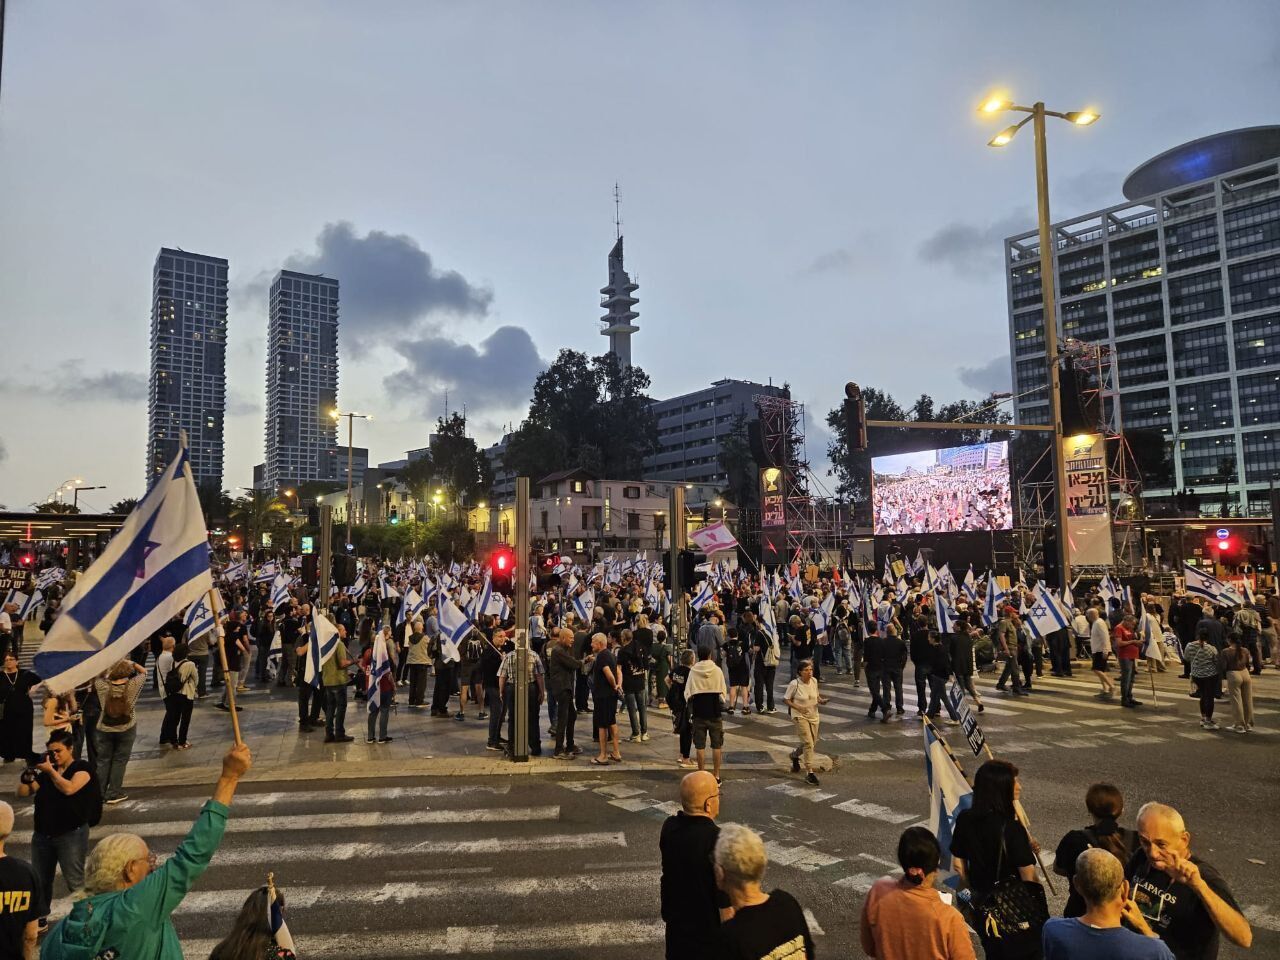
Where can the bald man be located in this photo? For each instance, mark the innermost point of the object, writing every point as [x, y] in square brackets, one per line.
[1184, 899]
[1097, 933]
[692, 906]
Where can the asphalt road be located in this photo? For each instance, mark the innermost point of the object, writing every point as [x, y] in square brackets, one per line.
[565, 864]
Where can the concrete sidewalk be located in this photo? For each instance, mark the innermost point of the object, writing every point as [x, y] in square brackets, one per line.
[422, 745]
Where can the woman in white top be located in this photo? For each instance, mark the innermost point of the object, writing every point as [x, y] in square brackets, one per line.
[802, 698]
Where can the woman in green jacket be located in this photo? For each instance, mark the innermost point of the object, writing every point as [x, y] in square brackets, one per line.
[130, 899]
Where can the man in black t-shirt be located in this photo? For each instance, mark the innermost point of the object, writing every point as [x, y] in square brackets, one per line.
[17, 897]
[1184, 899]
[692, 906]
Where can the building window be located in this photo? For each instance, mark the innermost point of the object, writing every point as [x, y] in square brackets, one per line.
[1135, 258]
[577, 486]
[1025, 286]
[1200, 351]
[1259, 395]
[1261, 456]
[1085, 319]
[1080, 272]
[631, 493]
[1205, 406]
[1257, 342]
[633, 521]
[1252, 229]
[1255, 285]
[1205, 460]
[1142, 361]
[1191, 244]
[1137, 309]
[1196, 297]
[1147, 409]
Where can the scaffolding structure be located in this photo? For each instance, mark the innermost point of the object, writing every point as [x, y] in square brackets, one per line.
[817, 524]
[1098, 384]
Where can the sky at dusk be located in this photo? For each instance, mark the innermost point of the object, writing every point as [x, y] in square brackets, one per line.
[806, 192]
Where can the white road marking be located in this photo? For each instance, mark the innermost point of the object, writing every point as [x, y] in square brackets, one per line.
[858, 883]
[296, 853]
[815, 928]
[347, 821]
[801, 790]
[873, 811]
[891, 864]
[617, 791]
[874, 755]
[798, 856]
[1259, 917]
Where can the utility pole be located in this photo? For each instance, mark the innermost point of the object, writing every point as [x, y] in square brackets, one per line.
[520, 701]
[679, 541]
[326, 554]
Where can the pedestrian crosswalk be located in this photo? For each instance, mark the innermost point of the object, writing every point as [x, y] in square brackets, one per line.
[455, 869]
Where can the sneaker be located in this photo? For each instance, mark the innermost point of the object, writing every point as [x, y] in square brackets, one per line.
[644, 738]
[386, 739]
[795, 764]
[117, 798]
[345, 739]
[459, 716]
[370, 740]
[1135, 703]
[812, 779]
[1237, 728]
[561, 755]
[1209, 725]
[980, 708]
[482, 715]
[223, 706]
[771, 710]
[575, 750]
[493, 746]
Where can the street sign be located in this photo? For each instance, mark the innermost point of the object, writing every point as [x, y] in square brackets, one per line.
[972, 732]
[1222, 533]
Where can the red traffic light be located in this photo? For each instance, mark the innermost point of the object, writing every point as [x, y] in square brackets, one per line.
[27, 559]
[501, 562]
[1224, 545]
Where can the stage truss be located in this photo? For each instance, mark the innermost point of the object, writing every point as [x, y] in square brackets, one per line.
[1097, 372]
[817, 525]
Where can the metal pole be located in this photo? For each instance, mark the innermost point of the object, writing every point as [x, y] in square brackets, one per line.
[520, 701]
[1048, 296]
[326, 555]
[351, 420]
[679, 540]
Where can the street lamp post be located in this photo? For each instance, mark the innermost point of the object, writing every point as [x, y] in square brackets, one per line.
[294, 494]
[351, 418]
[1036, 115]
[77, 490]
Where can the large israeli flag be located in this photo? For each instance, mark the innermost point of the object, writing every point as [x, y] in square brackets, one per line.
[949, 793]
[583, 605]
[412, 607]
[27, 609]
[320, 647]
[236, 571]
[49, 576]
[945, 615]
[154, 568]
[1047, 614]
[454, 626]
[1201, 584]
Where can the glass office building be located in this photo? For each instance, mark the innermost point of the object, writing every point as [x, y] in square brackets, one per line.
[188, 383]
[1182, 282]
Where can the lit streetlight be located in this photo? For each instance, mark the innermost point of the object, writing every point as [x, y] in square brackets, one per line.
[1036, 114]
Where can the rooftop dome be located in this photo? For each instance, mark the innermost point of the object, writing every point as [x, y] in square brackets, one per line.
[1201, 159]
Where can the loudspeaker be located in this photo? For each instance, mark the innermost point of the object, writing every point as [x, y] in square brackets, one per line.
[1049, 556]
[1079, 415]
[311, 570]
[344, 570]
[756, 441]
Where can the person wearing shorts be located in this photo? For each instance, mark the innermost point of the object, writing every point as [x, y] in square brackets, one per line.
[1100, 647]
[606, 687]
[705, 693]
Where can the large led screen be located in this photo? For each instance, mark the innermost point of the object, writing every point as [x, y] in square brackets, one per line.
[953, 490]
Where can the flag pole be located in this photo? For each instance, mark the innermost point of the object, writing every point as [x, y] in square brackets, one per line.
[226, 674]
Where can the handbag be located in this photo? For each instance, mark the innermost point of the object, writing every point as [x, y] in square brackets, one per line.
[1013, 907]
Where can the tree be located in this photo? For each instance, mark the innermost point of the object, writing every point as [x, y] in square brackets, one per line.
[853, 468]
[589, 413]
[458, 462]
[260, 512]
[739, 465]
[56, 506]
[125, 505]
[216, 505]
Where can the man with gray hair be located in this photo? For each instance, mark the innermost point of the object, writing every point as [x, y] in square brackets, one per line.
[18, 899]
[1183, 898]
[1097, 933]
[768, 925]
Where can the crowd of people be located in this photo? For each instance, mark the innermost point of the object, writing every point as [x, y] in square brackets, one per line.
[942, 502]
[588, 661]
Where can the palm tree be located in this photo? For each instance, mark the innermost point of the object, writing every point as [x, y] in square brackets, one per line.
[257, 514]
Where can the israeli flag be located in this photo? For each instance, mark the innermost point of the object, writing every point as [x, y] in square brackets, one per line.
[821, 618]
[411, 608]
[1126, 598]
[583, 604]
[379, 667]
[49, 576]
[1068, 600]
[267, 572]
[949, 794]
[1110, 589]
[280, 591]
[320, 647]
[358, 588]
[1203, 585]
[1151, 635]
[970, 586]
[703, 596]
[652, 596]
[995, 595]
[199, 619]
[768, 620]
[1047, 613]
[275, 655]
[946, 582]
[428, 589]
[902, 587]
[1249, 598]
[236, 571]
[155, 566]
[14, 598]
[946, 617]
[385, 590]
[454, 626]
[479, 605]
[794, 588]
[27, 609]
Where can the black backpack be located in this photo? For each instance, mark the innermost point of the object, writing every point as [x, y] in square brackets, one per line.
[172, 680]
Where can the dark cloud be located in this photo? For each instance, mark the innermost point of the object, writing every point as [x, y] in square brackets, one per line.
[833, 261]
[858, 254]
[69, 383]
[387, 282]
[991, 377]
[975, 249]
[498, 374]
[1089, 190]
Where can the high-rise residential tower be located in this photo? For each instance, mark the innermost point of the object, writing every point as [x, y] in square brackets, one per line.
[1182, 283]
[188, 385]
[617, 299]
[302, 380]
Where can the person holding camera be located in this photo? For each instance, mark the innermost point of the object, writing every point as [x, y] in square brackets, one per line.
[67, 802]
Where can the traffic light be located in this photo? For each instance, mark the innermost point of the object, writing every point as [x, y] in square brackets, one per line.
[548, 563]
[502, 568]
[394, 516]
[313, 516]
[27, 559]
[855, 417]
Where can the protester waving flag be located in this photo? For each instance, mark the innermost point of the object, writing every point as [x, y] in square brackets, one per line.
[583, 604]
[1151, 635]
[479, 605]
[320, 647]
[428, 589]
[945, 616]
[27, 608]
[1068, 600]
[267, 572]
[454, 626]
[991, 608]
[768, 620]
[413, 605]
[1046, 614]
[236, 571]
[714, 538]
[385, 590]
[49, 576]
[970, 586]
[358, 588]
[152, 569]
[280, 591]
[949, 794]
[703, 596]
[1201, 584]
[275, 655]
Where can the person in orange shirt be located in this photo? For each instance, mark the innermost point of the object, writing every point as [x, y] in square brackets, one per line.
[905, 918]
